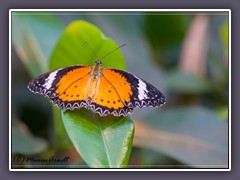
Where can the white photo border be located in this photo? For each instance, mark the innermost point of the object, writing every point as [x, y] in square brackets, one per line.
[121, 10]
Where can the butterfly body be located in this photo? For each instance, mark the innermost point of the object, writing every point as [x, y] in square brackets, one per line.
[103, 90]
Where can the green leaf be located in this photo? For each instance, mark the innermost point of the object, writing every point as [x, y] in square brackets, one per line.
[72, 48]
[180, 82]
[165, 32]
[224, 34]
[27, 48]
[195, 136]
[24, 142]
[98, 145]
[62, 141]
[103, 142]
[34, 35]
[165, 29]
[223, 112]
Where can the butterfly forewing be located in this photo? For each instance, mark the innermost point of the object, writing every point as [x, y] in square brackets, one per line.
[65, 86]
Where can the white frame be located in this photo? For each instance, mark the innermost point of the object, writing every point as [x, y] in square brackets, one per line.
[120, 10]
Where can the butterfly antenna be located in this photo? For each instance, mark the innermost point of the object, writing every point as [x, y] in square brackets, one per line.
[91, 50]
[112, 51]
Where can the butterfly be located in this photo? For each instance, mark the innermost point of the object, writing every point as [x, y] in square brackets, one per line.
[103, 90]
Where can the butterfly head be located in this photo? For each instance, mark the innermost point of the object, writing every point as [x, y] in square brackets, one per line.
[98, 63]
[97, 69]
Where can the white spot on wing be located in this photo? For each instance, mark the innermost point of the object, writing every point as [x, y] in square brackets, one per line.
[142, 90]
[50, 79]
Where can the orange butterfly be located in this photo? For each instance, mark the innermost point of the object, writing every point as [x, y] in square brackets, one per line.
[103, 90]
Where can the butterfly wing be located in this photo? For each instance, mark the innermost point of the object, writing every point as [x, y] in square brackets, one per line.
[65, 87]
[116, 92]
[133, 91]
[107, 99]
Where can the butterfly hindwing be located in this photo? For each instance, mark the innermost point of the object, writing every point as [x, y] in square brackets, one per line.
[107, 100]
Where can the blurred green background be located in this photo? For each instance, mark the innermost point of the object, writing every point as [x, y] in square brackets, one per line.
[185, 55]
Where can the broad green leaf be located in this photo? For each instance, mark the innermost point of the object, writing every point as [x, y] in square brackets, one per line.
[73, 47]
[194, 136]
[83, 43]
[103, 142]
